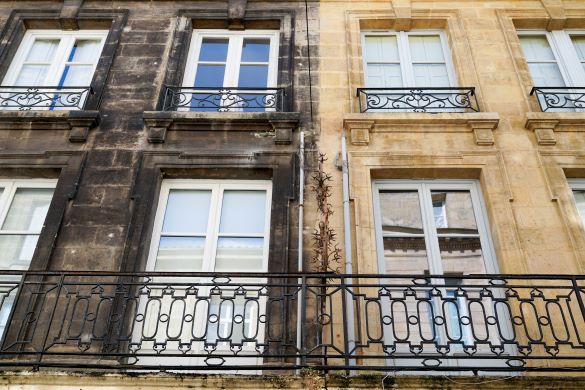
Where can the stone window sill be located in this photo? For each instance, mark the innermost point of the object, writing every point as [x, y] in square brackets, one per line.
[546, 124]
[279, 124]
[482, 124]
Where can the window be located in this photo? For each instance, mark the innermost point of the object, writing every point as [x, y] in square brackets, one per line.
[555, 58]
[436, 228]
[23, 208]
[208, 226]
[407, 59]
[578, 187]
[62, 61]
[232, 70]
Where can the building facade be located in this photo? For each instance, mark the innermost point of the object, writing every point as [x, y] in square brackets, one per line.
[198, 193]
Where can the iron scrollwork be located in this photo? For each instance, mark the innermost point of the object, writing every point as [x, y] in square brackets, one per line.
[44, 98]
[223, 99]
[417, 99]
[559, 98]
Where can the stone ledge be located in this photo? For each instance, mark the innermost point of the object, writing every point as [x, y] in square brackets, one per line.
[482, 124]
[78, 123]
[280, 124]
[546, 124]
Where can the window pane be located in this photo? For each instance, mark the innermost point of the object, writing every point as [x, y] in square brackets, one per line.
[214, 49]
[243, 212]
[536, 48]
[405, 255]
[85, 50]
[580, 201]
[16, 251]
[32, 75]
[381, 49]
[180, 254]
[458, 216]
[187, 211]
[256, 50]
[426, 48]
[209, 76]
[28, 209]
[42, 50]
[239, 254]
[383, 76]
[430, 75]
[462, 255]
[579, 43]
[546, 75]
[76, 76]
[253, 76]
[400, 212]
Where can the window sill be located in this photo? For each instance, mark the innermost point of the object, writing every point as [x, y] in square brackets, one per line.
[78, 123]
[279, 124]
[546, 124]
[482, 124]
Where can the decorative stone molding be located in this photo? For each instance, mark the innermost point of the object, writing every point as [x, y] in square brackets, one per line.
[236, 13]
[545, 125]
[359, 126]
[279, 125]
[68, 15]
[403, 12]
[78, 123]
[556, 12]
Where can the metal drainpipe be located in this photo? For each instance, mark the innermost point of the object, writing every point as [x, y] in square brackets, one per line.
[300, 244]
[348, 250]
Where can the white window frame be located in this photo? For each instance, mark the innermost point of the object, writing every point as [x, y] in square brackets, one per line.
[405, 61]
[577, 185]
[234, 55]
[565, 54]
[217, 187]
[67, 40]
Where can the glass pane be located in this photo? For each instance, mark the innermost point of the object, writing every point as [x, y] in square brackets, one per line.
[214, 49]
[180, 254]
[42, 50]
[16, 251]
[546, 75]
[243, 212]
[253, 76]
[383, 76]
[405, 255]
[28, 209]
[536, 48]
[239, 254]
[580, 201]
[233, 318]
[462, 255]
[381, 49]
[256, 50]
[187, 211]
[6, 303]
[430, 75]
[579, 43]
[456, 214]
[85, 50]
[400, 212]
[32, 75]
[426, 48]
[209, 76]
[76, 76]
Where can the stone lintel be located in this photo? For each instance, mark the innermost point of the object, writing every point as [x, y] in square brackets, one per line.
[236, 13]
[78, 123]
[556, 13]
[68, 15]
[277, 124]
[403, 14]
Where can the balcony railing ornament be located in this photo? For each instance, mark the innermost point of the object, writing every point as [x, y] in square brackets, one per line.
[417, 99]
[43, 98]
[223, 99]
[560, 98]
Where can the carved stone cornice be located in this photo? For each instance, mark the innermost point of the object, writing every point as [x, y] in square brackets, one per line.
[78, 123]
[546, 124]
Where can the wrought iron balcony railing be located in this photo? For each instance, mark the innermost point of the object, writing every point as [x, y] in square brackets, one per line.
[248, 322]
[417, 99]
[43, 98]
[559, 98]
[223, 99]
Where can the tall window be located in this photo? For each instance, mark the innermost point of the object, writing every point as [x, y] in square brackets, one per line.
[555, 58]
[397, 59]
[578, 187]
[57, 60]
[232, 70]
[23, 208]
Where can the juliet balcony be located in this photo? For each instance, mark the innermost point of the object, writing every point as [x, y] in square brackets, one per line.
[23, 98]
[560, 99]
[271, 323]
